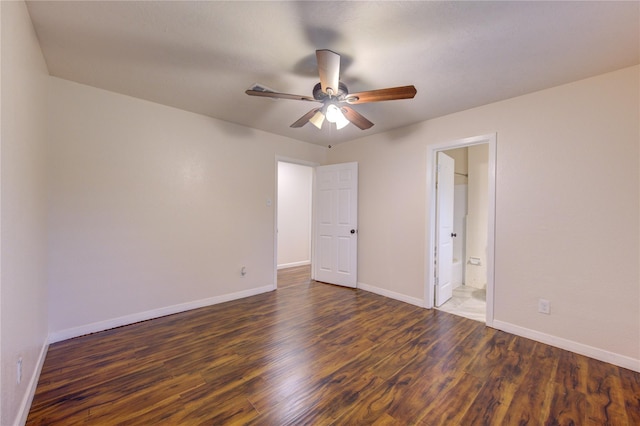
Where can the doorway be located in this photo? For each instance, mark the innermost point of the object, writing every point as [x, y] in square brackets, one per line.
[469, 268]
[294, 223]
[323, 225]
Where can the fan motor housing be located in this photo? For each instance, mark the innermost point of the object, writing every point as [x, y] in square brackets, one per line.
[319, 95]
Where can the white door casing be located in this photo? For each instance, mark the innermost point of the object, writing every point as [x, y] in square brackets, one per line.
[429, 288]
[444, 233]
[335, 255]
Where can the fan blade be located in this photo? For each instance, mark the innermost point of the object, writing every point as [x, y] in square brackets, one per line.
[356, 118]
[329, 70]
[390, 94]
[276, 95]
[305, 118]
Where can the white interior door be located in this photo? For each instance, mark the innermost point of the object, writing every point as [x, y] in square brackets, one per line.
[335, 257]
[444, 222]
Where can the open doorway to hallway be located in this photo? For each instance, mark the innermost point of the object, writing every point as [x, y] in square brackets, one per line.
[317, 220]
[294, 275]
[294, 223]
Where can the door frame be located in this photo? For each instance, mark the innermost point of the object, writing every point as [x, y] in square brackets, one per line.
[432, 150]
[313, 165]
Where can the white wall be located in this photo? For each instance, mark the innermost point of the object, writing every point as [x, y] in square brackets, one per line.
[567, 213]
[154, 209]
[294, 214]
[23, 292]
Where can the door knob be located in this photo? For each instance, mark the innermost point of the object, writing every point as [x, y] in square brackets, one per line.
[353, 231]
[453, 235]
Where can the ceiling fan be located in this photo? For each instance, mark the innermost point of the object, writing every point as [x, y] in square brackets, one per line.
[335, 97]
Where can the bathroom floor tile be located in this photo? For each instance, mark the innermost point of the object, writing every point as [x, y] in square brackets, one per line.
[468, 302]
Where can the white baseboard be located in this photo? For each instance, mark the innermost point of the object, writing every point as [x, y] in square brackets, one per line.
[570, 345]
[294, 264]
[391, 294]
[558, 342]
[95, 327]
[25, 405]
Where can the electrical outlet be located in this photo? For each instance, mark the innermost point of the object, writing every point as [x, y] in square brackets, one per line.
[19, 371]
[544, 306]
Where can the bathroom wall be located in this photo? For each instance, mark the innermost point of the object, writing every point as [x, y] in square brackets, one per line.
[477, 217]
[460, 156]
[460, 229]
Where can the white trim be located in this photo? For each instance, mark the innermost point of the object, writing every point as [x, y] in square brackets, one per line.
[391, 294]
[294, 264]
[296, 161]
[432, 151]
[491, 233]
[25, 405]
[570, 345]
[155, 313]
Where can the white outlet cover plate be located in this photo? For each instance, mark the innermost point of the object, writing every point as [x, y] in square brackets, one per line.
[544, 306]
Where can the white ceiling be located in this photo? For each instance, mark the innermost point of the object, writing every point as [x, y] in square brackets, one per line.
[201, 56]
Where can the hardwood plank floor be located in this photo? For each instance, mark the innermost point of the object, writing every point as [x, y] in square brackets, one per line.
[294, 276]
[319, 354]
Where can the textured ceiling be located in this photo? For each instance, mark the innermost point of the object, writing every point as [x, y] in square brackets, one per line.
[201, 56]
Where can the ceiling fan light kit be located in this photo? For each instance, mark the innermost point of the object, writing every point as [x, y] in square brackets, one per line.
[341, 121]
[334, 115]
[333, 94]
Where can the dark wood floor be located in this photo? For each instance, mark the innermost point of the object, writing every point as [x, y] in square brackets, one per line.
[320, 354]
[294, 276]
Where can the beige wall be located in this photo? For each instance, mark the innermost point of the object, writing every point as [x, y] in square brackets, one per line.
[567, 209]
[152, 207]
[23, 292]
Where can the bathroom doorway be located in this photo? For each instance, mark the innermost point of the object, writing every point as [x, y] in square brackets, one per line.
[468, 270]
